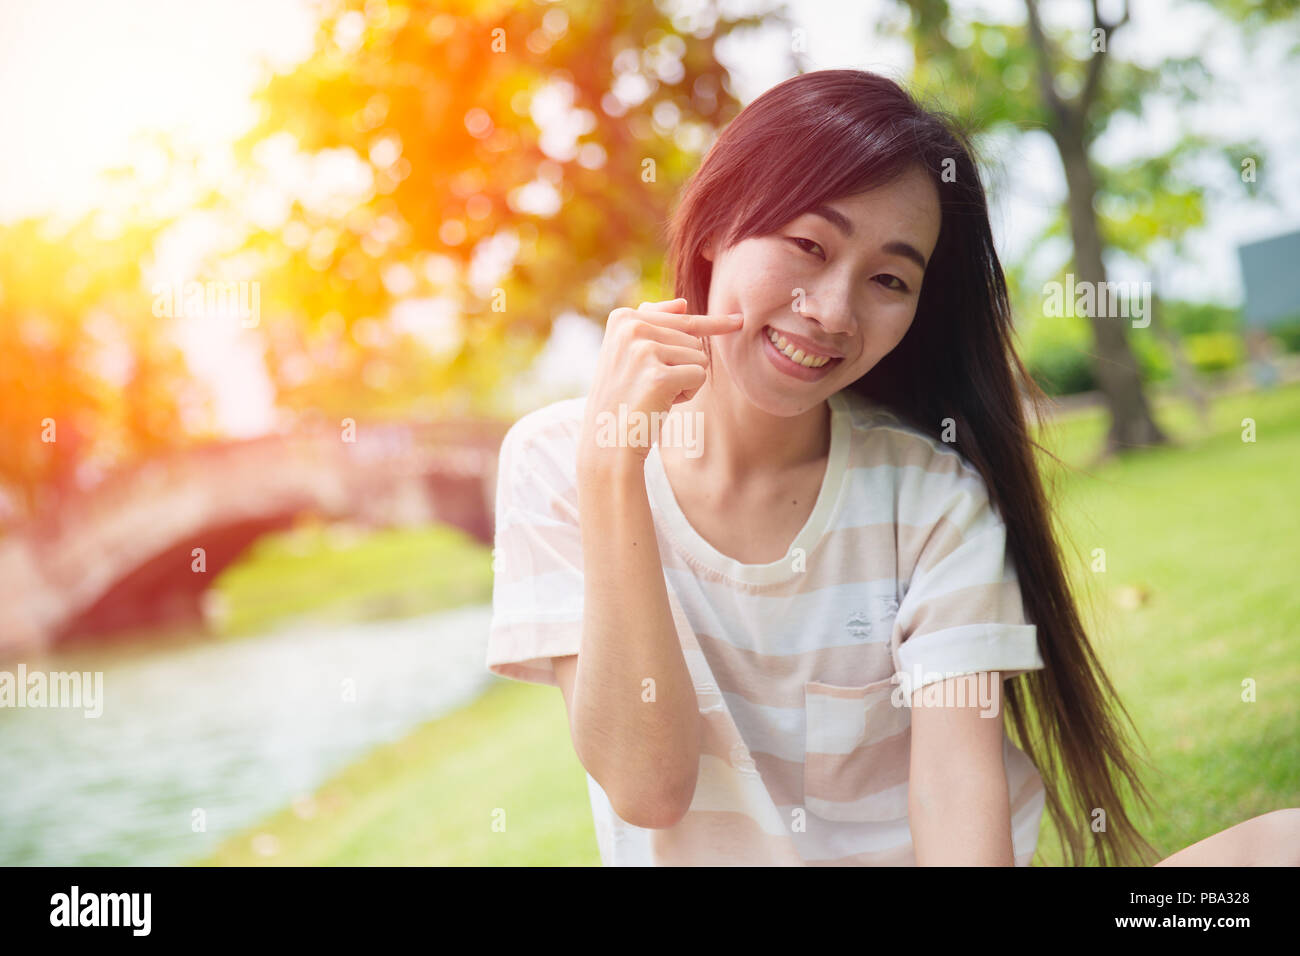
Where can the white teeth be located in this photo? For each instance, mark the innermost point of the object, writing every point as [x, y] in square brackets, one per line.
[794, 354]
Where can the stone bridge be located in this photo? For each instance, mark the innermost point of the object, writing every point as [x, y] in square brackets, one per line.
[121, 553]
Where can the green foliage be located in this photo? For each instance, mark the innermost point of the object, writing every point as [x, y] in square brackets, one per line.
[1288, 333]
[1215, 351]
[1255, 15]
[1192, 318]
[1152, 356]
[1055, 349]
[1071, 80]
[81, 349]
[454, 118]
[1058, 353]
[1061, 369]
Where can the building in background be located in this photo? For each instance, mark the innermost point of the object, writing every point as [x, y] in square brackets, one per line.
[1270, 276]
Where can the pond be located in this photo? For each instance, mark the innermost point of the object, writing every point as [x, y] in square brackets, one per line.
[219, 732]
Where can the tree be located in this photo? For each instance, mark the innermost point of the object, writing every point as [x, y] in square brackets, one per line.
[1071, 86]
[552, 136]
[89, 375]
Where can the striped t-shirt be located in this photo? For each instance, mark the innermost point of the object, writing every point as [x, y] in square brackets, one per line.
[900, 577]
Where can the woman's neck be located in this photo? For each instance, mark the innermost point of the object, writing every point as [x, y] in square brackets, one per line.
[739, 441]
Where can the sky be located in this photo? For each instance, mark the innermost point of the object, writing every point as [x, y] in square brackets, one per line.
[81, 78]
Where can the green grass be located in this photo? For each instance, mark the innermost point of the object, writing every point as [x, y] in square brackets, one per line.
[332, 573]
[433, 798]
[1209, 532]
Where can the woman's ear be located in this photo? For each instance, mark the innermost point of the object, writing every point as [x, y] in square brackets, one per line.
[707, 250]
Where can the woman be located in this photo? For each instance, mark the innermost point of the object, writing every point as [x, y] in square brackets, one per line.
[790, 641]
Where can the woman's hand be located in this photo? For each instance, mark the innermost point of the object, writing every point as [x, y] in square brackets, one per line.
[651, 359]
[646, 759]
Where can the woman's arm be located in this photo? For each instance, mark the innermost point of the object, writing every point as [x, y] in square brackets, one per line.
[634, 716]
[958, 804]
[639, 741]
[1270, 839]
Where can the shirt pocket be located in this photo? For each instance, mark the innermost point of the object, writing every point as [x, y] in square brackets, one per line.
[857, 751]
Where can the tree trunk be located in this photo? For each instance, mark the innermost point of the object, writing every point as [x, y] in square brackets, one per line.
[1131, 422]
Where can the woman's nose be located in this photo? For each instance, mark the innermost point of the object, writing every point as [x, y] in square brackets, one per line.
[833, 312]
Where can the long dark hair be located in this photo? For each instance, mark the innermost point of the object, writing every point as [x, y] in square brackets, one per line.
[832, 133]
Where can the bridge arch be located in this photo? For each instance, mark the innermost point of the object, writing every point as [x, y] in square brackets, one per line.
[121, 553]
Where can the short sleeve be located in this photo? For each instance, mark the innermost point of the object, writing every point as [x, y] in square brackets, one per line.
[537, 587]
[962, 611]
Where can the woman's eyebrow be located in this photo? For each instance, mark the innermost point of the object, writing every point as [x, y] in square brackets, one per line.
[897, 246]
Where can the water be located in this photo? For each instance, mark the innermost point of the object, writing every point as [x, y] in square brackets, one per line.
[238, 729]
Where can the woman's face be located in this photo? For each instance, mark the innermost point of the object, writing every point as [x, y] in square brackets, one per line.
[840, 284]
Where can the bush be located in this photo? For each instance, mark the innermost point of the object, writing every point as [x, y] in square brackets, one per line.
[1214, 351]
[1061, 370]
[1066, 369]
[1194, 318]
[1288, 333]
[1153, 358]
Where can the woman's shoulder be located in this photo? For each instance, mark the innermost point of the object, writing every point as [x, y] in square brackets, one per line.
[551, 430]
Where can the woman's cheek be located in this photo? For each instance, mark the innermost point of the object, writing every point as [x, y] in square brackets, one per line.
[898, 329]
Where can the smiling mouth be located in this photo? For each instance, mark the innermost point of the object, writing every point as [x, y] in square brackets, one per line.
[804, 357]
[782, 358]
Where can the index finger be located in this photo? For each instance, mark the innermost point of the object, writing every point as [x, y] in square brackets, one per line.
[666, 304]
[698, 325]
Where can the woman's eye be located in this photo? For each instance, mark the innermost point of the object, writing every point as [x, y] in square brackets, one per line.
[891, 282]
[804, 245]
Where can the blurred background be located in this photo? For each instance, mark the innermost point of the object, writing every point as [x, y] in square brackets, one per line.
[276, 276]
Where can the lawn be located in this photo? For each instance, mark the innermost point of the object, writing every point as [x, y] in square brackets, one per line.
[1198, 596]
[336, 572]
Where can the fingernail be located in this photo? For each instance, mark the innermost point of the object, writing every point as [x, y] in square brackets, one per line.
[737, 316]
